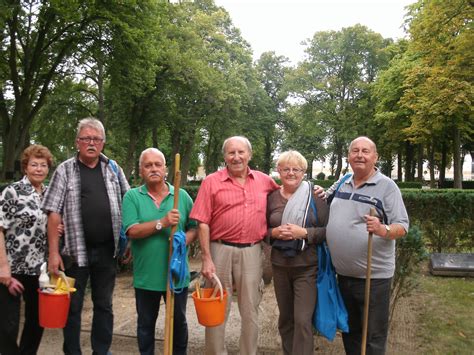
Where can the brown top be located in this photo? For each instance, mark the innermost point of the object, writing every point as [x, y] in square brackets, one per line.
[316, 233]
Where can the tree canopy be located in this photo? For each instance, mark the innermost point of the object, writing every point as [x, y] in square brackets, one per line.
[180, 77]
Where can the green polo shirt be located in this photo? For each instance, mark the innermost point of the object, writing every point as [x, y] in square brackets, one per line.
[150, 254]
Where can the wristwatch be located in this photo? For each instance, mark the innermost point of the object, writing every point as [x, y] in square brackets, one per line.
[387, 228]
[159, 226]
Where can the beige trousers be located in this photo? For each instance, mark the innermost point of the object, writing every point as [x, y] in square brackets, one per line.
[240, 268]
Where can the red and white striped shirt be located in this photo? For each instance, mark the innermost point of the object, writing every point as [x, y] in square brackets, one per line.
[234, 213]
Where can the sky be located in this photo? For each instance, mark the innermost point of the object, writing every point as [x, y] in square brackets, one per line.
[281, 25]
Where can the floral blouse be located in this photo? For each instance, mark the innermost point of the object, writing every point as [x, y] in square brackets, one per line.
[24, 225]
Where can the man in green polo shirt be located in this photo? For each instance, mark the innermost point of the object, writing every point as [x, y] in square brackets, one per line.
[148, 215]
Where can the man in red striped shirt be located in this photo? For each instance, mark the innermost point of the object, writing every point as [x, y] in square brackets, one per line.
[231, 210]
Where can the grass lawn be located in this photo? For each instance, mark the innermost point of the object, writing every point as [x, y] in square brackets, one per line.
[447, 320]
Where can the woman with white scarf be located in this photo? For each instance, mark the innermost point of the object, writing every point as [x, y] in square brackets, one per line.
[296, 223]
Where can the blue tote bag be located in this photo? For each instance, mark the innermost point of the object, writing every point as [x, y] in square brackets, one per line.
[330, 313]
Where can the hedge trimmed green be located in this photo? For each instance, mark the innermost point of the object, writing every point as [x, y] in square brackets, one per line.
[445, 216]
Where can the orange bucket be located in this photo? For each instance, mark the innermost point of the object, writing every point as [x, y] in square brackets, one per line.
[210, 310]
[53, 309]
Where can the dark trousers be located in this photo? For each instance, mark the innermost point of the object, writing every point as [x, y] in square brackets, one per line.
[295, 291]
[353, 293]
[148, 306]
[102, 271]
[10, 318]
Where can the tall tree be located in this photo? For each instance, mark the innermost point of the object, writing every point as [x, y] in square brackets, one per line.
[335, 80]
[271, 72]
[439, 89]
[38, 38]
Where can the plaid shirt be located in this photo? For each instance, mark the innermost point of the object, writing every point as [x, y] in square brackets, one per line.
[64, 197]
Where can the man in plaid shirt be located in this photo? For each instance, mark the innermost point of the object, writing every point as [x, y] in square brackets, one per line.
[85, 194]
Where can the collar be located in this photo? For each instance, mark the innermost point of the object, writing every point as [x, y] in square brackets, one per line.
[29, 187]
[143, 189]
[102, 158]
[224, 174]
[373, 180]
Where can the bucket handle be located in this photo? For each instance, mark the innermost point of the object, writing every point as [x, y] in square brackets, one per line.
[63, 276]
[218, 287]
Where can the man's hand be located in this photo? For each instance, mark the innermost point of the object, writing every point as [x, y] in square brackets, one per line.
[127, 255]
[15, 287]
[374, 225]
[55, 263]
[208, 268]
[318, 191]
[171, 218]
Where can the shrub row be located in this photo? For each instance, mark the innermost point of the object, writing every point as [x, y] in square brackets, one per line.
[445, 216]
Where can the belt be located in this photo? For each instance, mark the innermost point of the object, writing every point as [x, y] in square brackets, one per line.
[237, 245]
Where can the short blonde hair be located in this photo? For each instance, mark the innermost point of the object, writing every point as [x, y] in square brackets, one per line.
[292, 157]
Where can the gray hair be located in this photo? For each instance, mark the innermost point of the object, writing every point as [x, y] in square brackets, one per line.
[366, 139]
[90, 122]
[150, 150]
[241, 138]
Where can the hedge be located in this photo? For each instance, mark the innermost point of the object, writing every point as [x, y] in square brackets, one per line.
[445, 217]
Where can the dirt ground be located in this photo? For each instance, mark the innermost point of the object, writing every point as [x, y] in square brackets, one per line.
[402, 338]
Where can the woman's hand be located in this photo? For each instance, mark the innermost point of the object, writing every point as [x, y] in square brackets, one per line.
[289, 232]
[5, 275]
[15, 287]
[61, 229]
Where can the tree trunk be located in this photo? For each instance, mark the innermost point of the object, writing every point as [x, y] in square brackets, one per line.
[339, 155]
[267, 157]
[132, 147]
[431, 163]
[408, 161]
[457, 164]
[444, 162]
[399, 165]
[100, 87]
[420, 163]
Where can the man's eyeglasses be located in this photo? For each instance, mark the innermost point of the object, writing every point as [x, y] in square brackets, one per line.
[94, 140]
[291, 170]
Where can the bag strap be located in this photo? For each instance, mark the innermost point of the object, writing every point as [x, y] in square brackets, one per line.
[114, 167]
[342, 181]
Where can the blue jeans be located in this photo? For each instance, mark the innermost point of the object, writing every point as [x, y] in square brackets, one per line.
[102, 271]
[353, 293]
[148, 306]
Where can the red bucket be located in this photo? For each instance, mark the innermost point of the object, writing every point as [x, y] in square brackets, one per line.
[53, 309]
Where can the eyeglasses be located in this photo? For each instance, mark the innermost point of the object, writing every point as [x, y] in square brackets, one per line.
[292, 170]
[36, 166]
[94, 140]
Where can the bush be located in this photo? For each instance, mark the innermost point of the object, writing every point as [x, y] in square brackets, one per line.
[445, 217]
[449, 184]
[192, 190]
[409, 184]
[320, 176]
[410, 252]
[324, 183]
